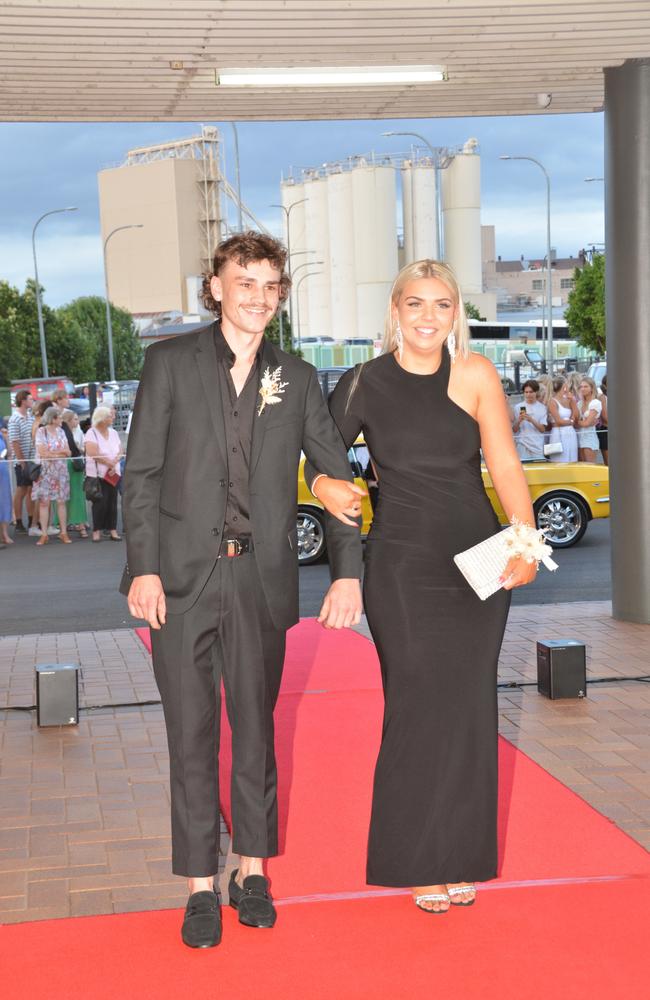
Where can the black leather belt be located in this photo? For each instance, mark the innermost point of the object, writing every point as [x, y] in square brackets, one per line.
[231, 547]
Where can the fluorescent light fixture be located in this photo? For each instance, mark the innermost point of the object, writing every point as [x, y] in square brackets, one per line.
[329, 76]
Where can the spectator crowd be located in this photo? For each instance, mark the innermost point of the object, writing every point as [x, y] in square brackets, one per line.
[59, 471]
[562, 419]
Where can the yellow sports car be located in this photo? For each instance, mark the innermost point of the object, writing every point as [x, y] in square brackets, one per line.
[566, 496]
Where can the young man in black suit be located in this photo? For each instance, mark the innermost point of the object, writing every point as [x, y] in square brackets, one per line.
[220, 421]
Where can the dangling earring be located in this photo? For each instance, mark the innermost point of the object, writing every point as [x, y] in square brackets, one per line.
[451, 345]
[399, 340]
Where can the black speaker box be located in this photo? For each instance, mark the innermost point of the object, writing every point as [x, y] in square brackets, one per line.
[57, 694]
[562, 668]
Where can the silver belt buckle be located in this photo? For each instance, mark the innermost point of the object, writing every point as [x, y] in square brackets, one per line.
[234, 547]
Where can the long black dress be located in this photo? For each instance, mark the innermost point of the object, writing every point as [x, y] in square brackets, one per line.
[434, 811]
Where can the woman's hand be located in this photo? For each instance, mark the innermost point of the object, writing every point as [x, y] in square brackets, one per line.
[340, 498]
[518, 573]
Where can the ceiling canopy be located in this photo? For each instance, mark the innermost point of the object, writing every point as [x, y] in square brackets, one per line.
[157, 60]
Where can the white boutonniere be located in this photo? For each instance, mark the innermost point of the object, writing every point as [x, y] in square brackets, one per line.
[271, 388]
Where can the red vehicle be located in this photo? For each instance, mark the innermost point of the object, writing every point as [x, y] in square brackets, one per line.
[42, 388]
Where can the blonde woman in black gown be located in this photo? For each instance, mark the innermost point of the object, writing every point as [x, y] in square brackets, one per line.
[428, 407]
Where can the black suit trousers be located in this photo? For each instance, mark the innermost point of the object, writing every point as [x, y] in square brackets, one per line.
[227, 634]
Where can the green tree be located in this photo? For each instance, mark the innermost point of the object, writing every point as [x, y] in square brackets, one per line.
[69, 352]
[472, 312]
[12, 334]
[273, 334]
[585, 313]
[88, 315]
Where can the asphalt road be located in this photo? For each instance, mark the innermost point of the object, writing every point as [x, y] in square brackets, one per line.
[73, 588]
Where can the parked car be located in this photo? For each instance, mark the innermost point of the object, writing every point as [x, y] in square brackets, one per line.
[120, 395]
[81, 387]
[41, 388]
[597, 371]
[81, 407]
[328, 377]
[566, 497]
[312, 543]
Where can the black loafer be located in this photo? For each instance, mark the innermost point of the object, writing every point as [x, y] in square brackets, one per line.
[202, 921]
[253, 902]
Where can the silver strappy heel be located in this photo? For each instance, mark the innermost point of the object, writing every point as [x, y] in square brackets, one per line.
[462, 890]
[432, 897]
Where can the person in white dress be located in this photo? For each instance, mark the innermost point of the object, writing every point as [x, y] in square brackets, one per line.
[590, 409]
[563, 416]
[529, 424]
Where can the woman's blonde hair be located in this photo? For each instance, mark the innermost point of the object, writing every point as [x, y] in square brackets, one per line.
[573, 380]
[592, 385]
[545, 387]
[68, 416]
[427, 269]
[100, 414]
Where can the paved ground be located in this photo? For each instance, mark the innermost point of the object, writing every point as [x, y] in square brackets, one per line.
[74, 587]
[84, 811]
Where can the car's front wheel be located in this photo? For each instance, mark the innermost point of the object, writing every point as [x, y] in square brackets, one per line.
[563, 518]
[311, 535]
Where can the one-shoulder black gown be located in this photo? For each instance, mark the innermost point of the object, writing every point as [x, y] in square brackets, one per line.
[434, 810]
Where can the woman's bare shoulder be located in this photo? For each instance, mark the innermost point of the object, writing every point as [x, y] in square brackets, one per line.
[477, 368]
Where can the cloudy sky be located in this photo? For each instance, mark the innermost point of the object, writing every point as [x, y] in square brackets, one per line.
[46, 166]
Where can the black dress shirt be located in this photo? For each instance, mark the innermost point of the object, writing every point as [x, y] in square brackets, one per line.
[238, 416]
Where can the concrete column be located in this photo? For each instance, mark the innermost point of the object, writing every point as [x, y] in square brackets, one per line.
[627, 241]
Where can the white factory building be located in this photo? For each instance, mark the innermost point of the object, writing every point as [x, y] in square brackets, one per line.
[346, 243]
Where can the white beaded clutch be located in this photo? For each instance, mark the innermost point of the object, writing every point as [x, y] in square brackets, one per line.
[483, 564]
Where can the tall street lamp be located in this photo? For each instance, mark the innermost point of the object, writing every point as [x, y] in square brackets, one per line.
[436, 167]
[590, 180]
[310, 274]
[549, 269]
[294, 253]
[39, 308]
[240, 217]
[287, 213]
[109, 325]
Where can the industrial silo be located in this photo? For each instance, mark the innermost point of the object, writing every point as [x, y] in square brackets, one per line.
[375, 244]
[293, 195]
[461, 211]
[343, 282]
[419, 211]
[313, 276]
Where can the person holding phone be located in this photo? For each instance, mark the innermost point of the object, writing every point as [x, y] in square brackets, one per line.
[530, 424]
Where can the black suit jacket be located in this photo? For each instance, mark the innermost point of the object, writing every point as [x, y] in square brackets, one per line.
[176, 476]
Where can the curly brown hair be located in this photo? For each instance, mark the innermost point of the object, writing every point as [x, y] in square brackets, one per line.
[244, 249]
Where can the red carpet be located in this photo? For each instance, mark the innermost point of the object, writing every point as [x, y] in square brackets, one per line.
[328, 723]
[570, 943]
[567, 918]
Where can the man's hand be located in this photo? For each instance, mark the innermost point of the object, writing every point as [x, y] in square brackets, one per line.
[340, 498]
[147, 600]
[341, 605]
